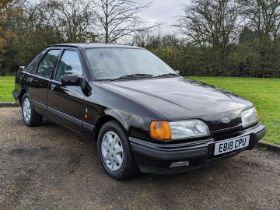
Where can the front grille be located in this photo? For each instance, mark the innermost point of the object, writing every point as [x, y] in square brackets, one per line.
[227, 133]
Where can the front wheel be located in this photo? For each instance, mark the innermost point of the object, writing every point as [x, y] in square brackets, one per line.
[114, 151]
[30, 117]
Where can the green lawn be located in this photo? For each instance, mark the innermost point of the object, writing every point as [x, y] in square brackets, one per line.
[7, 84]
[264, 93]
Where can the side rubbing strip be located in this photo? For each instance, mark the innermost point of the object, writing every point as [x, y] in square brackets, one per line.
[43, 106]
[88, 126]
[72, 119]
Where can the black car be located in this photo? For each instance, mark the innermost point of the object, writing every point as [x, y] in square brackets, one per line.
[143, 114]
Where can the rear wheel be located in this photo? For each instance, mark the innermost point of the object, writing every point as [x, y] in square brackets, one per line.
[30, 117]
[114, 151]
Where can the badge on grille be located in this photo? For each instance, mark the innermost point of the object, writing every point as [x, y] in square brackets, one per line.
[226, 120]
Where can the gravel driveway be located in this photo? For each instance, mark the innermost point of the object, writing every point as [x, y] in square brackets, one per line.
[48, 167]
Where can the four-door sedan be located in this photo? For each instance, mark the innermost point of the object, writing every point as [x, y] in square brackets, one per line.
[143, 114]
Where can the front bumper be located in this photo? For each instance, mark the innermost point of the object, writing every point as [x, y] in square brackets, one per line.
[158, 158]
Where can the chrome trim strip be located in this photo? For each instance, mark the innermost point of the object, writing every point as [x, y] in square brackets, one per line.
[193, 144]
[40, 105]
[72, 119]
[40, 77]
[88, 126]
[66, 116]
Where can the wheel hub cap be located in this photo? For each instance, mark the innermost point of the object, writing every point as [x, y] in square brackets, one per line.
[26, 108]
[112, 151]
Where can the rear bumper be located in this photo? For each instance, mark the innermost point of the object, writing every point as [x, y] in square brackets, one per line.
[15, 94]
[157, 158]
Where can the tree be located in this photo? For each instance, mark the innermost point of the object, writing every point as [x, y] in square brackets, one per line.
[34, 30]
[8, 11]
[5, 9]
[247, 35]
[73, 18]
[264, 18]
[211, 23]
[117, 19]
[44, 23]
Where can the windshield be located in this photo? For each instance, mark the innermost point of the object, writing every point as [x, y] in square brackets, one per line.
[114, 63]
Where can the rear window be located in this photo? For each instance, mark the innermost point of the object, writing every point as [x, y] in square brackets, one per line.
[33, 64]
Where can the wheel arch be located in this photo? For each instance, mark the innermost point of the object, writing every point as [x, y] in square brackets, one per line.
[22, 92]
[110, 116]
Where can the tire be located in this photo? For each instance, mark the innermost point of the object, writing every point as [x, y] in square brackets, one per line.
[112, 132]
[29, 116]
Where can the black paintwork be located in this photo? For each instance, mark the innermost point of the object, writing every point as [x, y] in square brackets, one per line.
[157, 158]
[133, 103]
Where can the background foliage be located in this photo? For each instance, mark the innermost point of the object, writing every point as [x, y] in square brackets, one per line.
[213, 37]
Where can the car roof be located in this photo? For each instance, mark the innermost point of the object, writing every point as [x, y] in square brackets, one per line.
[93, 45]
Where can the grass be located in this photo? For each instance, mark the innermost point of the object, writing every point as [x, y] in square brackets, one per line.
[7, 84]
[264, 93]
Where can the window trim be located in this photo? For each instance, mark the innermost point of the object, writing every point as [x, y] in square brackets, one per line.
[40, 61]
[34, 61]
[83, 75]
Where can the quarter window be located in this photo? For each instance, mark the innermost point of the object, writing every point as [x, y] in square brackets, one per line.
[69, 64]
[32, 66]
[47, 64]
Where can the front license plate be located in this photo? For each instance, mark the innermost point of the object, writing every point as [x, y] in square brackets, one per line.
[230, 145]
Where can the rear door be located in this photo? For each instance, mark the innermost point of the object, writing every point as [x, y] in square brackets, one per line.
[66, 103]
[38, 82]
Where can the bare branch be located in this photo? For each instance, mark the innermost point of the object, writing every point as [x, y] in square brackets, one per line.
[117, 19]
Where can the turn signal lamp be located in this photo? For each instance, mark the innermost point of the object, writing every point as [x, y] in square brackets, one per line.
[160, 130]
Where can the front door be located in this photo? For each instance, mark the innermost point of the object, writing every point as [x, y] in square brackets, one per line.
[66, 103]
[38, 81]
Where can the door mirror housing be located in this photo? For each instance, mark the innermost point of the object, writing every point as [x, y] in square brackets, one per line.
[74, 80]
[70, 80]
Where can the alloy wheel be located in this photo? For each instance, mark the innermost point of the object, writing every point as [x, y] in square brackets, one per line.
[26, 109]
[112, 151]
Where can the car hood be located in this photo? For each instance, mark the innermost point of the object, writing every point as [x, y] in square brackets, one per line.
[178, 98]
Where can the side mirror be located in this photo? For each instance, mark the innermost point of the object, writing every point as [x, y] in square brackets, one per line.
[70, 80]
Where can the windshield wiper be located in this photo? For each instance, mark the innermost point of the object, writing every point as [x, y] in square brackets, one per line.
[134, 76]
[167, 75]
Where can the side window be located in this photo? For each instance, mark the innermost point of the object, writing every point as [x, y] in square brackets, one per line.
[69, 64]
[47, 64]
[31, 67]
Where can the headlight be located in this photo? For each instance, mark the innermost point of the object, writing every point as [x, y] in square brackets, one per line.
[249, 117]
[189, 129]
[163, 130]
